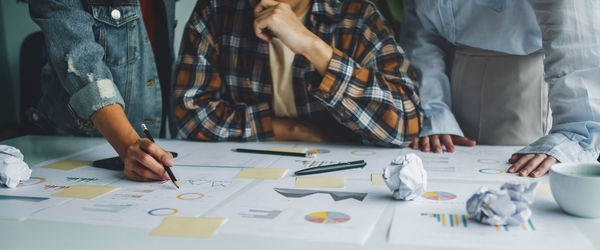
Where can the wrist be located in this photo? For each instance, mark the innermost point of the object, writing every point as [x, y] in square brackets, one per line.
[318, 53]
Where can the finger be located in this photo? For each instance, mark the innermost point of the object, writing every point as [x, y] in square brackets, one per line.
[425, 144]
[544, 167]
[261, 30]
[415, 143]
[158, 153]
[135, 176]
[446, 140]
[463, 141]
[435, 144]
[532, 164]
[514, 158]
[145, 173]
[520, 163]
[148, 162]
[264, 4]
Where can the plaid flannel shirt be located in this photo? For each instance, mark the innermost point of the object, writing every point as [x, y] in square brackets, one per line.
[223, 88]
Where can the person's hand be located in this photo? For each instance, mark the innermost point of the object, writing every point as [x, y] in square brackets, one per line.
[143, 161]
[276, 19]
[296, 130]
[433, 143]
[533, 165]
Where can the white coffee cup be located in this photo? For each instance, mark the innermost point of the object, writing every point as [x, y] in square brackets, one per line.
[575, 188]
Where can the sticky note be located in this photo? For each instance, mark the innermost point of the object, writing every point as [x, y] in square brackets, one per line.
[320, 182]
[543, 189]
[377, 179]
[68, 165]
[289, 150]
[262, 173]
[192, 227]
[84, 191]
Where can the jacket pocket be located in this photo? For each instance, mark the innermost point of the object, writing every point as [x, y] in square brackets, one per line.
[117, 32]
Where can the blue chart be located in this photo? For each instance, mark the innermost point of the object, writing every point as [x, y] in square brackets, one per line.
[525, 227]
[311, 164]
[450, 220]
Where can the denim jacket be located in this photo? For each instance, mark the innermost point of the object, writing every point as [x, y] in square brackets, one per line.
[98, 54]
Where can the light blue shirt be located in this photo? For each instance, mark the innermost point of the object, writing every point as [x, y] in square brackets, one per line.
[569, 33]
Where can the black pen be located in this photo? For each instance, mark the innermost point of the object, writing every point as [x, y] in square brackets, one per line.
[271, 152]
[333, 167]
[168, 169]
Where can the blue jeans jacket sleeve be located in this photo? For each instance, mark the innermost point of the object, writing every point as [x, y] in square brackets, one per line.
[427, 49]
[75, 55]
[571, 40]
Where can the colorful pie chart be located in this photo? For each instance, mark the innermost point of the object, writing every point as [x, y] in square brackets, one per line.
[327, 217]
[439, 196]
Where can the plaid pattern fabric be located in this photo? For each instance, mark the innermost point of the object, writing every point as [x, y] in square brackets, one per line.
[223, 88]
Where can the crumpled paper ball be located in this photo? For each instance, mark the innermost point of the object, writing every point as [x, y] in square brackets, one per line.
[406, 177]
[12, 167]
[507, 206]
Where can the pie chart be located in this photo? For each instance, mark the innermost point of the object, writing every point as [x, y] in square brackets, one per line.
[327, 217]
[439, 196]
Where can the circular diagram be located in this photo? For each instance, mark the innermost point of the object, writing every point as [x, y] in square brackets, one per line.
[488, 161]
[439, 196]
[327, 217]
[190, 196]
[363, 153]
[162, 211]
[32, 181]
[490, 171]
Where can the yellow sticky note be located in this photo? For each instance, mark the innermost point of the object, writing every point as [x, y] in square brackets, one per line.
[192, 227]
[68, 165]
[377, 179]
[320, 182]
[289, 150]
[543, 189]
[262, 173]
[84, 191]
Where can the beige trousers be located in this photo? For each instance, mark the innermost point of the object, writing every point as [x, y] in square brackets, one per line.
[500, 99]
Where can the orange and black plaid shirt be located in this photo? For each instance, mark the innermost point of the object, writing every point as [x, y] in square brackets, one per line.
[224, 91]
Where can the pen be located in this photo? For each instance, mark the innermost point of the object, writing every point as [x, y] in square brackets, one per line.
[168, 169]
[333, 167]
[270, 152]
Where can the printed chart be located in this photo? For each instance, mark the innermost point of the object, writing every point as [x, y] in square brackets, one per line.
[327, 217]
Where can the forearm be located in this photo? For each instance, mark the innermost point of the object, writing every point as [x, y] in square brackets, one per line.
[318, 53]
[115, 127]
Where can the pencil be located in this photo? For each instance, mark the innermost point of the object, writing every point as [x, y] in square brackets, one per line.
[168, 169]
[271, 152]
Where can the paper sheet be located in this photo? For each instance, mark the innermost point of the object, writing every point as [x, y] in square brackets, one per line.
[276, 209]
[262, 173]
[84, 191]
[191, 227]
[377, 179]
[439, 219]
[68, 165]
[320, 182]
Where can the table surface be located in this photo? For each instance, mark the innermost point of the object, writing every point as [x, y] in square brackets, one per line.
[34, 234]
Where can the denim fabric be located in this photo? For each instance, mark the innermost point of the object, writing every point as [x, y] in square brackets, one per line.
[98, 54]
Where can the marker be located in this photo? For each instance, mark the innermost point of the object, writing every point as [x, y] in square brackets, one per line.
[168, 169]
[331, 168]
[270, 152]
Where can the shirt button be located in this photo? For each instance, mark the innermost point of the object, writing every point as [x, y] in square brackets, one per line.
[147, 39]
[35, 117]
[115, 14]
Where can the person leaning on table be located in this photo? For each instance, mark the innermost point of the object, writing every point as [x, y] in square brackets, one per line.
[108, 62]
[483, 70]
[303, 70]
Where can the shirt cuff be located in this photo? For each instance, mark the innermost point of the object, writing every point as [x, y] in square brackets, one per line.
[440, 121]
[336, 80]
[259, 124]
[561, 147]
[93, 97]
